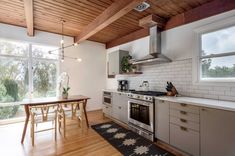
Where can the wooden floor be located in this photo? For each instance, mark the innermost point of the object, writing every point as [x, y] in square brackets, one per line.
[79, 141]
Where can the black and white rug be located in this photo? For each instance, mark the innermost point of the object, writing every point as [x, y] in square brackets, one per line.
[128, 142]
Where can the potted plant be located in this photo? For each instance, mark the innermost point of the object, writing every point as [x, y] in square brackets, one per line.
[65, 92]
[125, 64]
[134, 68]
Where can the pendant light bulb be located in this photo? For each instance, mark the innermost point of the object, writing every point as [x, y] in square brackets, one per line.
[79, 59]
[75, 44]
[62, 41]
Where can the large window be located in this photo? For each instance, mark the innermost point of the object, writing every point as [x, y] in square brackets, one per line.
[217, 57]
[26, 71]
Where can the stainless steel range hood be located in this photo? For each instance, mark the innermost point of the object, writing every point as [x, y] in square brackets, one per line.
[154, 55]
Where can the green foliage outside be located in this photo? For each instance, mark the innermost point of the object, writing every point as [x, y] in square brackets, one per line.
[14, 78]
[217, 71]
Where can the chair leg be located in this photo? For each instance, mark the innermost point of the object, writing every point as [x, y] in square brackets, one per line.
[32, 134]
[64, 127]
[56, 128]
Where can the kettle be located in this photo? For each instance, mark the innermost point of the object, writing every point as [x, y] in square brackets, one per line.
[144, 86]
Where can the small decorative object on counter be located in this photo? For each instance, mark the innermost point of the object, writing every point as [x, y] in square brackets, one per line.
[65, 92]
[171, 90]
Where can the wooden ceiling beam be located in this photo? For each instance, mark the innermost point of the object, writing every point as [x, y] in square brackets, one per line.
[116, 10]
[128, 38]
[206, 10]
[28, 7]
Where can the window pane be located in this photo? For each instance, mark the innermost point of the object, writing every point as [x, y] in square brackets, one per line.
[39, 51]
[44, 79]
[221, 67]
[13, 48]
[13, 86]
[220, 41]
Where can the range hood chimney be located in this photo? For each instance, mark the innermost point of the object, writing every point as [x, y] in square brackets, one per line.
[152, 22]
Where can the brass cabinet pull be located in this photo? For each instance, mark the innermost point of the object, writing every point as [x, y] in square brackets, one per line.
[183, 112]
[183, 128]
[184, 105]
[183, 120]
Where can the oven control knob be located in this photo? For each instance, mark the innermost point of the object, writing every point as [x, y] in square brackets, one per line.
[138, 96]
[150, 98]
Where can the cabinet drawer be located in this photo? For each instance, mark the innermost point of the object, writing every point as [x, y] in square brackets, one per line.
[185, 107]
[185, 123]
[185, 115]
[107, 110]
[184, 139]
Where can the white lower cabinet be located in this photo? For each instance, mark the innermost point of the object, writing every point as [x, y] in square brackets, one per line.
[185, 139]
[184, 128]
[162, 126]
[217, 132]
[198, 131]
[107, 110]
[119, 107]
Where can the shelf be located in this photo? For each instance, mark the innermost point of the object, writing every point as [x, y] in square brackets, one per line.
[132, 73]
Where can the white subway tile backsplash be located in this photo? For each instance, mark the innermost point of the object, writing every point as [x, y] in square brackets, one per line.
[180, 74]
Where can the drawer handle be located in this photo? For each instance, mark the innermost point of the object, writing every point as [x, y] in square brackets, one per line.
[184, 105]
[183, 120]
[183, 128]
[183, 112]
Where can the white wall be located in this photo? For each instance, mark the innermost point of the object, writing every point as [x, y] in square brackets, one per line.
[87, 77]
[179, 45]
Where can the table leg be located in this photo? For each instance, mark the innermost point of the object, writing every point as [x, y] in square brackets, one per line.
[84, 107]
[26, 107]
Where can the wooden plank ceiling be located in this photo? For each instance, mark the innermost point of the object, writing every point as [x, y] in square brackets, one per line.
[79, 13]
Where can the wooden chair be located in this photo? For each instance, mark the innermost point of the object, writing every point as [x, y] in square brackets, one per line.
[73, 111]
[43, 114]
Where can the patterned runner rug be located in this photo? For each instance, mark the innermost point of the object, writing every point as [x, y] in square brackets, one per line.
[127, 142]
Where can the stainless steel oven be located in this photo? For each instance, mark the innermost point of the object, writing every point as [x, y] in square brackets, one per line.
[141, 114]
[107, 98]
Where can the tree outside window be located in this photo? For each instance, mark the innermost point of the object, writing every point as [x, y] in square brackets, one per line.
[16, 62]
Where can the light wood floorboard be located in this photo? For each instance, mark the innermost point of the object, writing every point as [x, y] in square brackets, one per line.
[79, 141]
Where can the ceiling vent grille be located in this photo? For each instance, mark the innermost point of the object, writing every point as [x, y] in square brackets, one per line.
[143, 6]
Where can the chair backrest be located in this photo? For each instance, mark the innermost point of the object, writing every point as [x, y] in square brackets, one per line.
[43, 110]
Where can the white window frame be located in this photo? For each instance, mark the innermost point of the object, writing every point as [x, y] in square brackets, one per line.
[30, 58]
[222, 24]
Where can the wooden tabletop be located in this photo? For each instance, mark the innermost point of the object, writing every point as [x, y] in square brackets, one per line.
[54, 100]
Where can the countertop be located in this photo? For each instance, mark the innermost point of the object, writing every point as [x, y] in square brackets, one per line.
[116, 91]
[210, 103]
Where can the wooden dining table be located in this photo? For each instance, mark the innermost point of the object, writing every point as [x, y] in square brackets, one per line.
[48, 101]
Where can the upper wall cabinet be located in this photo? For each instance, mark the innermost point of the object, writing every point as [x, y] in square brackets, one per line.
[114, 62]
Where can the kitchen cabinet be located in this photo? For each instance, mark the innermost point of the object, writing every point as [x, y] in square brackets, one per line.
[120, 107]
[217, 132]
[184, 127]
[162, 120]
[107, 110]
[114, 62]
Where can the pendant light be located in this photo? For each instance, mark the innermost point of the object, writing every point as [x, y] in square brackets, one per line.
[63, 47]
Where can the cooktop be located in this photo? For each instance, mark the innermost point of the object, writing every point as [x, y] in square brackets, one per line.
[149, 93]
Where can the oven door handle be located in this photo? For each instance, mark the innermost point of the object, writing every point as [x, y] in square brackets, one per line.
[107, 96]
[139, 102]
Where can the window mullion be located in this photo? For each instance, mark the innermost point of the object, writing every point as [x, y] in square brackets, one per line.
[30, 72]
[218, 55]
